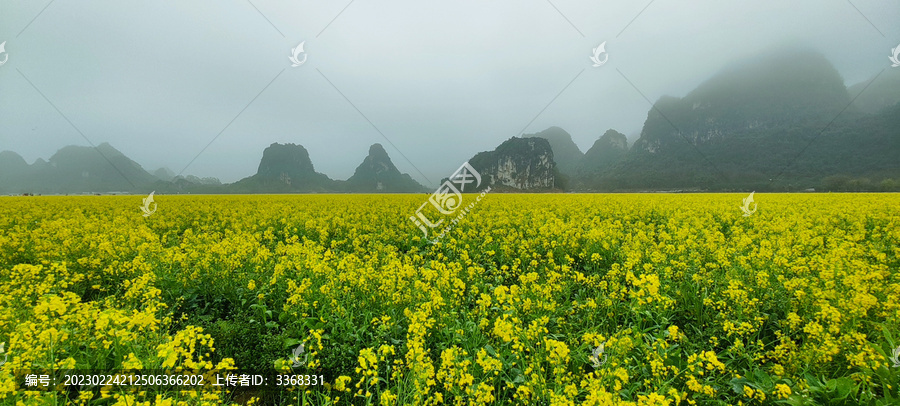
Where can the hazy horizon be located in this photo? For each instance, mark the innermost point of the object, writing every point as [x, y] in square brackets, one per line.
[439, 82]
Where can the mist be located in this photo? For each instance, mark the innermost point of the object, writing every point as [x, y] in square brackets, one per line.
[210, 84]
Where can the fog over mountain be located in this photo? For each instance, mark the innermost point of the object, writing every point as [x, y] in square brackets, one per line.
[203, 87]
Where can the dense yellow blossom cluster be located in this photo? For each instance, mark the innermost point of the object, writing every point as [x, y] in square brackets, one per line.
[532, 299]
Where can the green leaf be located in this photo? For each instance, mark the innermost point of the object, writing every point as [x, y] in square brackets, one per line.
[737, 385]
[288, 342]
[764, 381]
[842, 386]
[887, 335]
[815, 385]
[283, 317]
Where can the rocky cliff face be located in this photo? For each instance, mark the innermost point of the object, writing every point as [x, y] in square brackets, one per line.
[285, 168]
[518, 163]
[288, 160]
[377, 174]
[566, 153]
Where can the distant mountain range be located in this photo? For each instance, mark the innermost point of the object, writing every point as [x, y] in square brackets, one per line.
[284, 168]
[73, 169]
[287, 168]
[778, 121]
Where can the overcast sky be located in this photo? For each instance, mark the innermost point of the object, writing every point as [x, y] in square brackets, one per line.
[440, 81]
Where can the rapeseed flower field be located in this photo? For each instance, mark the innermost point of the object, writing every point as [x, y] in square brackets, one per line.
[532, 299]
